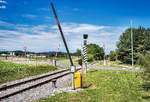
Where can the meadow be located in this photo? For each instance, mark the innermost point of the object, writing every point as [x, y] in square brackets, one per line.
[11, 71]
[116, 64]
[106, 86]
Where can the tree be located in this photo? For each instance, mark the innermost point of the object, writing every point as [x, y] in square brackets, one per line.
[141, 46]
[112, 56]
[77, 53]
[94, 52]
[19, 53]
[141, 42]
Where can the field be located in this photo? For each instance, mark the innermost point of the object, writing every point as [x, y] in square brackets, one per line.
[11, 71]
[116, 64]
[106, 86]
[32, 59]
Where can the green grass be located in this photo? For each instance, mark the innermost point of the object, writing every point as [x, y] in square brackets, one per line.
[11, 71]
[61, 59]
[115, 64]
[107, 86]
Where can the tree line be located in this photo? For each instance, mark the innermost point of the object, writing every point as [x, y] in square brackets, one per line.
[141, 49]
[141, 45]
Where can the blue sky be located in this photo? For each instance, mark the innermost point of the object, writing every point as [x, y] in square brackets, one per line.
[31, 23]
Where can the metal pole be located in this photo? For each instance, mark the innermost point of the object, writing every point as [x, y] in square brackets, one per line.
[104, 54]
[132, 42]
[62, 35]
[25, 48]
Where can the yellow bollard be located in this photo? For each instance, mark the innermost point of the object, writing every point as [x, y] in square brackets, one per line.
[78, 79]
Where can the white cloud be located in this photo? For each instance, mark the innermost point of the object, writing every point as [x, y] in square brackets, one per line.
[3, 1]
[2, 4]
[48, 18]
[77, 28]
[44, 9]
[5, 24]
[8, 33]
[75, 9]
[97, 34]
[47, 37]
[2, 7]
[30, 16]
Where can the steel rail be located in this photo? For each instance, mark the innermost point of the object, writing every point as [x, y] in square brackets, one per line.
[35, 85]
[29, 80]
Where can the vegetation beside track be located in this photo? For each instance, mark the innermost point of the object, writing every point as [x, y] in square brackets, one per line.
[10, 71]
[106, 86]
[61, 59]
[116, 64]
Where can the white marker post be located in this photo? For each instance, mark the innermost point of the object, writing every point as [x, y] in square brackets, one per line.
[25, 49]
[132, 43]
[104, 55]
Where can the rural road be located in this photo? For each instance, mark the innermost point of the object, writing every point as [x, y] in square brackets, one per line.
[112, 68]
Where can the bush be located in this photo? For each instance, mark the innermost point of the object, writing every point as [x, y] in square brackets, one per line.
[94, 52]
[143, 60]
[11, 71]
[112, 56]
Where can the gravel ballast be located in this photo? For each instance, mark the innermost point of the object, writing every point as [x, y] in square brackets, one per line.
[41, 91]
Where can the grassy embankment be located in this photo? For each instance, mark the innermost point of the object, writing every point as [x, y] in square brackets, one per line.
[11, 71]
[116, 64]
[33, 59]
[106, 86]
[61, 59]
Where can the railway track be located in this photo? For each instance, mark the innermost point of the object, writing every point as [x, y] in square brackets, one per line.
[7, 90]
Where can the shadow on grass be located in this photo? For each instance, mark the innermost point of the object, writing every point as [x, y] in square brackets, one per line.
[88, 85]
[146, 97]
[92, 70]
[146, 86]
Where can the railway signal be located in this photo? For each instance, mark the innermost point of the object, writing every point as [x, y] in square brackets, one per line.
[57, 50]
[85, 36]
[63, 38]
[25, 49]
[54, 59]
